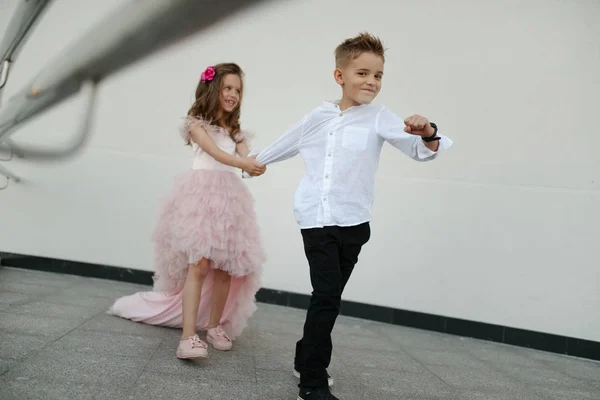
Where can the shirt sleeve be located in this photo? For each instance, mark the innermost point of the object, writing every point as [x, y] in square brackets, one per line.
[390, 127]
[285, 147]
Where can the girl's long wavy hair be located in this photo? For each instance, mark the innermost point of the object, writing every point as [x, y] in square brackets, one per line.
[208, 95]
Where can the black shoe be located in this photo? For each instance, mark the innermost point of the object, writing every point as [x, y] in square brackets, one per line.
[316, 394]
[329, 378]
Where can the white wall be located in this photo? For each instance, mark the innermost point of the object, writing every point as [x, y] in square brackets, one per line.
[503, 229]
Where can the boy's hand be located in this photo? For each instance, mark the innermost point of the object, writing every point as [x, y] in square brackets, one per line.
[418, 125]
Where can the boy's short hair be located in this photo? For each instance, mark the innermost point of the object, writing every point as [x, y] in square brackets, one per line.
[352, 48]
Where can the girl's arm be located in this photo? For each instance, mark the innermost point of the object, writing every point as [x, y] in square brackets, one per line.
[242, 148]
[200, 136]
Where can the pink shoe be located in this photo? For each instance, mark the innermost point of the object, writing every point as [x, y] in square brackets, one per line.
[219, 339]
[192, 347]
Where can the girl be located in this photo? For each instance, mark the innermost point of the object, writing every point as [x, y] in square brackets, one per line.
[207, 247]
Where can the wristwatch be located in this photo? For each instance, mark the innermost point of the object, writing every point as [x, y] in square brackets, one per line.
[433, 137]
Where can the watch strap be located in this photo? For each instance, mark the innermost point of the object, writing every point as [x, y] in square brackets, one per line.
[433, 137]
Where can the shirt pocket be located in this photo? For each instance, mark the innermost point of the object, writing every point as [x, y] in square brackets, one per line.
[355, 139]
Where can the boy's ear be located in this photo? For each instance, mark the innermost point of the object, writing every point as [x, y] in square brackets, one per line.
[337, 75]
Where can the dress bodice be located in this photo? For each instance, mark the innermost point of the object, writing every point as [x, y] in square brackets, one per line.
[203, 160]
[221, 138]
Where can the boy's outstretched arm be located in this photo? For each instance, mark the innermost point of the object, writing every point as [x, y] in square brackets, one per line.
[407, 135]
[283, 148]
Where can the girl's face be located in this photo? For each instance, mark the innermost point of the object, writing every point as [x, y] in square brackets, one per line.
[231, 92]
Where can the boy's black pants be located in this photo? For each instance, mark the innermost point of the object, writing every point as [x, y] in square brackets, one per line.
[332, 252]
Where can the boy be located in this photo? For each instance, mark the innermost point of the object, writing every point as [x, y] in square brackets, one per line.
[340, 143]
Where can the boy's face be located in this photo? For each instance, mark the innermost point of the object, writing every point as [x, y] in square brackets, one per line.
[361, 78]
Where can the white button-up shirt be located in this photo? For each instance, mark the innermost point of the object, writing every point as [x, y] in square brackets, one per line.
[341, 152]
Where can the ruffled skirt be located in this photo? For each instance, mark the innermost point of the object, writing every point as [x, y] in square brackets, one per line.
[209, 214]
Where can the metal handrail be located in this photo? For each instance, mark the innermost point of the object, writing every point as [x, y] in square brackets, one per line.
[20, 26]
[88, 92]
[4, 73]
[127, 35]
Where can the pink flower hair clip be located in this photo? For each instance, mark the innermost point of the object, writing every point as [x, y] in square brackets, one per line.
[208, 74]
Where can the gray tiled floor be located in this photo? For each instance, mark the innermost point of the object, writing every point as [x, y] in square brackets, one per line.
[57, 342]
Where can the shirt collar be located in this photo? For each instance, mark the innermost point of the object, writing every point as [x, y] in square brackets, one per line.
[335, 105]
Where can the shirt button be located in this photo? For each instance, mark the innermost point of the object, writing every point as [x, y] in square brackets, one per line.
[329, 155]
[324, 198]
[341, 114]
[330, 133]
[326, 176]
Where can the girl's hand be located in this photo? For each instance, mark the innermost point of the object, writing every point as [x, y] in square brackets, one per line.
[253, 167]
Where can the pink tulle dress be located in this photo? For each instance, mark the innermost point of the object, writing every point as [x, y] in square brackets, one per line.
[209, 213]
